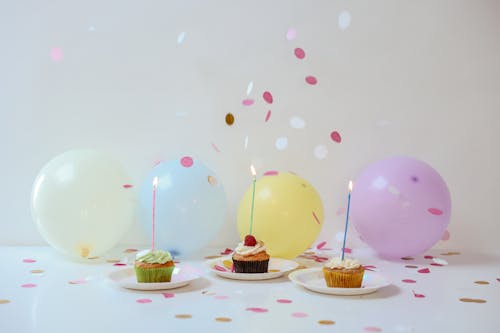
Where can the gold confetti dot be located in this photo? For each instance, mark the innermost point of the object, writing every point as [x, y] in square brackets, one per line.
[37, 271]
[212, 180]
[229, 119]
[309, 252]
[411, 266]
[326, 322]
[4, 301]
[223, 319]
[212, 257]
[481, 282]
[472, 300]
[450, 254]
[183, 316]
[407, 258]
[113, 261]
[93, 258]
[228, 264]
[84, 251]
[274, 270]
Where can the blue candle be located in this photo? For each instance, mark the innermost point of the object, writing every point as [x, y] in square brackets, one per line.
[347, 217]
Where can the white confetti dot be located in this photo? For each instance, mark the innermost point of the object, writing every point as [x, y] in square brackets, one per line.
[344, 19]
[281, 143]
[440, 261]
[297, 122]
[249, 88]
[181, 37]
[246, 142]
[320, 152]
[291, 34]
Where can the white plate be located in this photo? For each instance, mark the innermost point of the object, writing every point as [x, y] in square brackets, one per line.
[126, 278]
[312, 279]
[277, 267]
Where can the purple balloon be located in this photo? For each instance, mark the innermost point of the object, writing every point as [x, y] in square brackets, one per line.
[400, 206]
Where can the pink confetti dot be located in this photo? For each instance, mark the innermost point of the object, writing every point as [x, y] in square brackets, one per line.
[291, 34]
[127, 185]
[372, 329]
[29, 261]
[28, 285]
[268, 115]
[220, 268]
[247, 102]
[143, 300]
[168, 295]
[215, 147]
[257, 310]
[428, 257]
[446, 236]
[436, 264]
[435, 211]
[271, 173]
[299, 314]
[498, 279]
[268, 97]
[56, 54]
[408, 281]
[347, 250]
[221, 297]
[335, 136]
[321, 245]
[300, 54]
[186, 161]
[418, 295]
[424, 271]
[311, 80]
[284, 301]
[81, 281]
[120, 264]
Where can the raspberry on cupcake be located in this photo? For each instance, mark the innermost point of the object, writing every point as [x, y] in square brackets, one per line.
[250, 256]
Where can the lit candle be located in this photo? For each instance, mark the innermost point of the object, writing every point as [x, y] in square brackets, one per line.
[252, 169]
[155, 185]
[347, 216]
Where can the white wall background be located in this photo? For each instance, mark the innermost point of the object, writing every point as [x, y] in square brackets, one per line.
[417, 78]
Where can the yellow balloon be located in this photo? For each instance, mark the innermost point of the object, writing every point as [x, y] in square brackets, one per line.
[287, 216]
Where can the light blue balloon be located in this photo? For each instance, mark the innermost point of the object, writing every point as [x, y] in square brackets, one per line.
[190, 205]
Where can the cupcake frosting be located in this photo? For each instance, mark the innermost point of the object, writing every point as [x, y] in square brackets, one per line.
[243, 250]
[153, 257]
[337, 262]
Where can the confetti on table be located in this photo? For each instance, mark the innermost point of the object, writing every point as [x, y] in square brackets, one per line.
[299, 53]
[180, 37]
[446, 236]
[4, 301]
[249, 88]
[127, 185]
[284, 300]
[428, 257]
[335, 136]
[417, 295]
[472, 300]
[326, 322]
[450, 254]
[93, 258]
[229, 119]
[183, 316]
[37, 271]
[247, 102]
[344, 20]
[435, 211]
[29, 261]
[408, 281]
[144, 300]
[299, 315]
[28, 285]
[268, 97]
[168, 295]
[257, 310]
[81, 281]
[372, 329]
[131, 250]
[311, 80]
[223, 319]
[268, 115]
[56, 54]
[481, 282]
[407, 258]
[186, 161]
[424, 271]
[411, 266]
[291, 34]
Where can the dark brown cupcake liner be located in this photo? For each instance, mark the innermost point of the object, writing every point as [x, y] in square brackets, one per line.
[241, 266]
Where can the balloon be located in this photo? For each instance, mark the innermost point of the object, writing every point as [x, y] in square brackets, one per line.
[288, 214]
[400, 206]
[190, 205]
[82, 203]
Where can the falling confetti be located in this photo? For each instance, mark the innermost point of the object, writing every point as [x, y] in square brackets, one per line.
[215, 147]
[268, 97]
[326, 322]
[299, 53]
[311, 80]
[372, 329]
[246, 142]
[435, 211]
[316, 218]
[186, 161]
[299, 315]
[472, 300]
[127, 185]
[249, 88]
[411, 266]
[223, 319]
[408, 281]
[229, 119]
[56, 54]
[284, 301]
[344, 20]
[281, 143]
[335, 136]
[498, 279]
[291, 34]
[297, 122]
[321, 245]
[257, 310]
[28, 285]
[29, 261]
[268, 115]
[247, 102]
[4, 301]
[180, 37]
[212, 180]
[436, 264]
[227, 251]
[428, 257]
[183, 316]
[271, 173]
[481, 282]
[168, 295]
[320, 152]
[418, 295]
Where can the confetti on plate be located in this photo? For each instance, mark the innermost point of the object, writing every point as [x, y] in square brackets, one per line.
[131, 250]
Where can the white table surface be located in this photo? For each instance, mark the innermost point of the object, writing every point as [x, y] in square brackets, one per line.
[54, 304]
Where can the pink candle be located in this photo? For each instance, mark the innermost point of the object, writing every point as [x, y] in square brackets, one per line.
[155, 185]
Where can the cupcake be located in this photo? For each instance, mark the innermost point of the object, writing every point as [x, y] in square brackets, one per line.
[250, 256]
[347, 273]
[153, 266]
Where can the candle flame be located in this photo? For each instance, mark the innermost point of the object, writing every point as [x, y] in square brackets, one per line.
[155, 182]
[252, 169]
[350, 186]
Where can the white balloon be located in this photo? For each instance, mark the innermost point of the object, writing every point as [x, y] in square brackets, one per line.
[81, 203]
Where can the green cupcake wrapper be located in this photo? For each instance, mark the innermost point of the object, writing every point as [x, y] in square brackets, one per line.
[151, 275]
[241, 266]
